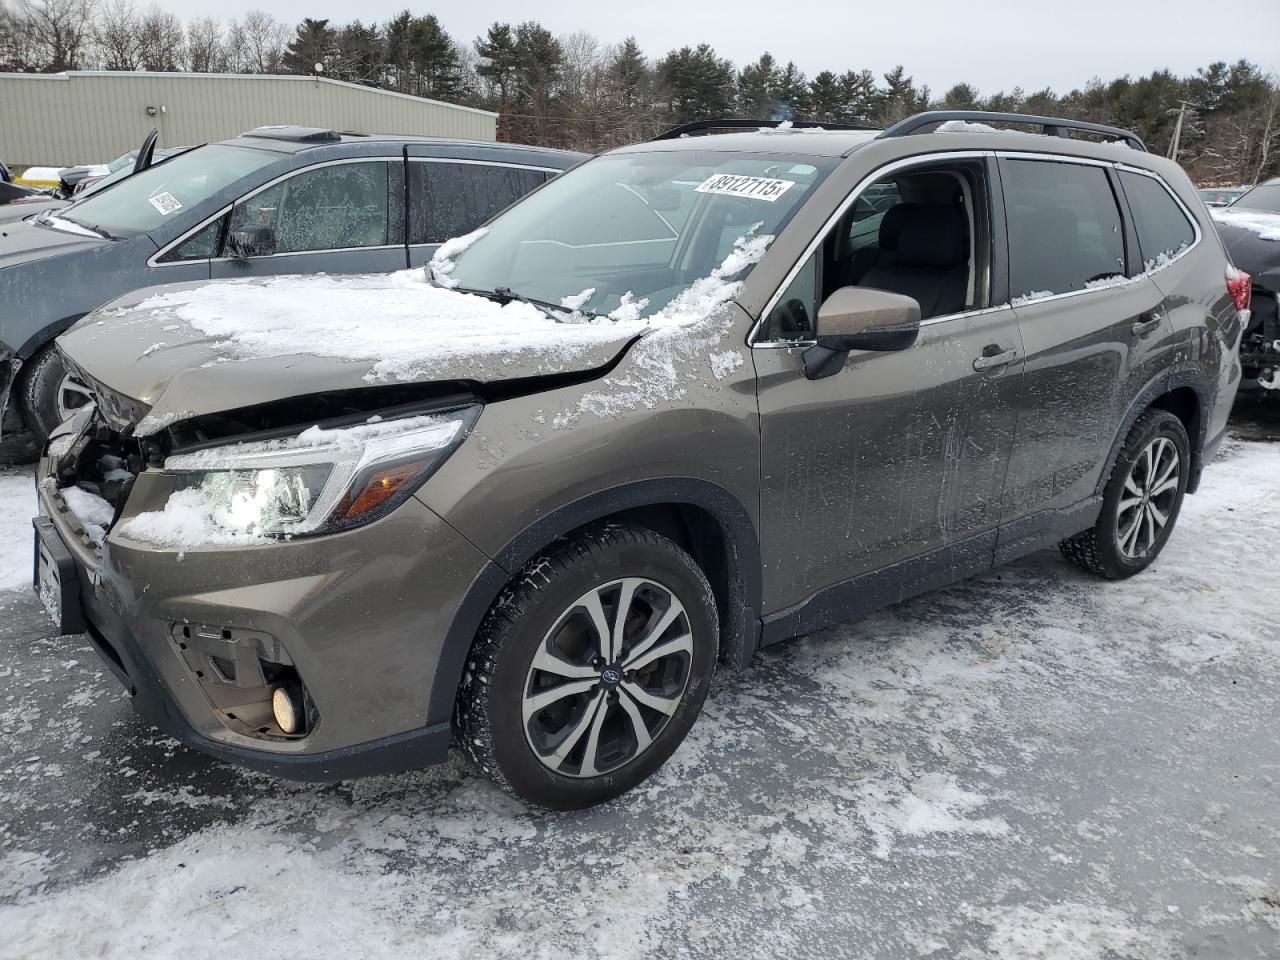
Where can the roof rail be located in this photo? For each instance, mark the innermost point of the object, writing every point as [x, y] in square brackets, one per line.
[741, 123]
[1049, 126]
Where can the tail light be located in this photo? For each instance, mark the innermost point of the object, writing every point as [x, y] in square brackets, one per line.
[1240, 286]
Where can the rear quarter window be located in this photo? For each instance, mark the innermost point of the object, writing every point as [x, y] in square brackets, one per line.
[1163, 229]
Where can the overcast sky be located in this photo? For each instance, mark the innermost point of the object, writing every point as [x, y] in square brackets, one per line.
[994, 44]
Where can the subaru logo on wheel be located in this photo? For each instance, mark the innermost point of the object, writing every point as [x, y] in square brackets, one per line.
[611, 675]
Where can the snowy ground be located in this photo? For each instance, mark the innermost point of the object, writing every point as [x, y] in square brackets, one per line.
[1033, 765]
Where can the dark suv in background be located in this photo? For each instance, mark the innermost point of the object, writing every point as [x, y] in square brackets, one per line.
[1250, 228]
[275, 200]
[692, 398]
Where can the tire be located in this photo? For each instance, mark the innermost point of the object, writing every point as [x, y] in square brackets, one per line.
[560, 750]
[1128, 535]
[47, 394]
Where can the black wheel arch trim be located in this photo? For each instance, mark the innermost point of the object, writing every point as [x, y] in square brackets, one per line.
[1155, 389]
[740, 619]
[46, 334]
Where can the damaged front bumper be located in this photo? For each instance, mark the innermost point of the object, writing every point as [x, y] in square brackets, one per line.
[200, 639]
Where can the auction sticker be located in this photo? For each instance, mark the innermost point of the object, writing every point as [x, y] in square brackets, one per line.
[165, 202]
[754, 188]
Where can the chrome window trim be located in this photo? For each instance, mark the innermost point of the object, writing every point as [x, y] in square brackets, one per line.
[486, 163]
[152, 261]
[831, 221]
[945, 318]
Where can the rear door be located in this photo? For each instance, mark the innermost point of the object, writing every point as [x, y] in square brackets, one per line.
[1093, 325]
[451, 197]
[342, 216]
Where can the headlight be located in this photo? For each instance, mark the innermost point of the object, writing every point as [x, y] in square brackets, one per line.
[319, 481]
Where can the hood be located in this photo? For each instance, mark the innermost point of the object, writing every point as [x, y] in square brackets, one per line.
[192, 349]
[22, 241]
[1252, 239]
[21, 209]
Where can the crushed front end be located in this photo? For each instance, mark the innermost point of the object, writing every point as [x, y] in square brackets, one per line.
[348, 626]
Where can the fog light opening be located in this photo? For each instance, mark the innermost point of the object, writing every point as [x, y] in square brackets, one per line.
[286, 706]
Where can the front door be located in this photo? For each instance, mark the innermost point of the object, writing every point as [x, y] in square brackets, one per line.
[894, 466]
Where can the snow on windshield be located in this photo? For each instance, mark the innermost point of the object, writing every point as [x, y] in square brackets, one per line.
[1265, 225]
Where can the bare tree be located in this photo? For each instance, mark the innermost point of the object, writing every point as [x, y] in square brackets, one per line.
[116, 36]
[205, 52]
[257, 44]
[160, 40]
[15, 40]
[59, 31]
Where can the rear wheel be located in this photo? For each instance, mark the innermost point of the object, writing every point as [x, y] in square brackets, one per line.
[48, 394]
[590, 669]
[1141, 502]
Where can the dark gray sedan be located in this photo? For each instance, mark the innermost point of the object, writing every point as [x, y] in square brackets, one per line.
[274, 200]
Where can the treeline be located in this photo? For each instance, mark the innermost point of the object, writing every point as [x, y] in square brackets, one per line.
[576, 91]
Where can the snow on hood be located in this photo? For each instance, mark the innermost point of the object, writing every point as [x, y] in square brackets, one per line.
[198, 348]
[1265, 225]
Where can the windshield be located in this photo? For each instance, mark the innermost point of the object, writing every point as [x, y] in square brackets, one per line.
[137, 204]
[637, 228]
[1266, 197]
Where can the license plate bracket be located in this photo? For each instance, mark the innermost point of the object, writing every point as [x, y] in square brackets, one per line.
[56, 579]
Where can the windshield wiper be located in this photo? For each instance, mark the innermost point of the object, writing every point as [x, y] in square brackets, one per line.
[49, 218]
[546, 309]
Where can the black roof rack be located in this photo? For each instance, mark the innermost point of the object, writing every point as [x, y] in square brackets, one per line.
[294, 134]
[742, 123]
[1049, 126]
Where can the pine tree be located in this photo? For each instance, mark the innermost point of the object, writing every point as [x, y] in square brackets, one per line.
[313, 43]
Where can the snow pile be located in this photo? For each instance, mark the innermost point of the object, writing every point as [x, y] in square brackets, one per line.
[690, 326]
[1070, 931]
[1265, 225]
[724, 362]
[94, 513]
[404, 327]
[1164, 258]
[187, 522]
[1022, 298]
[965, 126]
[1103, 283]
[440, 268]
[935, 803]
[17, 507]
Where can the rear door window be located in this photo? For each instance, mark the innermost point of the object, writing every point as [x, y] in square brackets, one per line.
[449, 199]
[1163, 229]
[1065, 233]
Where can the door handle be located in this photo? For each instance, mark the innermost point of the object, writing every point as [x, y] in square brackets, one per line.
[1153, 320]
[989, 361]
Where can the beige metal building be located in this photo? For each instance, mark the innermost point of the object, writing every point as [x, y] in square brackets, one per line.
[93, 116]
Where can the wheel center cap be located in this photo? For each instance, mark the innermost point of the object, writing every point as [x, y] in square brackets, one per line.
[611, 675]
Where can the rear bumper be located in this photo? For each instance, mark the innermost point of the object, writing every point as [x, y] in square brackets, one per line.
[362, 615]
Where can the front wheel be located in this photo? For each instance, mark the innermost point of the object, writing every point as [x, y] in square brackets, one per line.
[1141, 502]
[49, 395]
[590, 669]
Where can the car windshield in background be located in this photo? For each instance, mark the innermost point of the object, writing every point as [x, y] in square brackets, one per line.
[639, 226]
[137, 204]
[1265, 197]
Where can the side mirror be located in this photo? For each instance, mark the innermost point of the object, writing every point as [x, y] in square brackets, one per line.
[860, 318]
[252, 240]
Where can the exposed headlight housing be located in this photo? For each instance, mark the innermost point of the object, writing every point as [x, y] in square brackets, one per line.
[320, 481]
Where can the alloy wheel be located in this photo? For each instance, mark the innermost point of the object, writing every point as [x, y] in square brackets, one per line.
[607, 677]
[72, 395]
[1147, 500]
